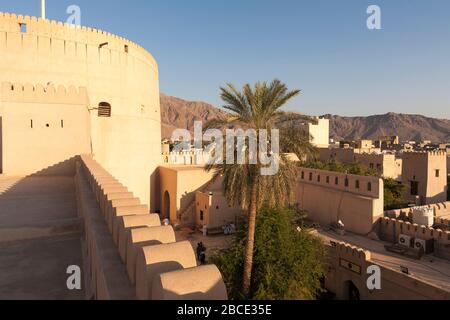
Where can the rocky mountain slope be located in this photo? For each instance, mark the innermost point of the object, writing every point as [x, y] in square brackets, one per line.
[407, 127]
[178, 113]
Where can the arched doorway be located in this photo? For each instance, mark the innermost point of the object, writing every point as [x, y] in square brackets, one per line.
[352, 291]
[166, 206]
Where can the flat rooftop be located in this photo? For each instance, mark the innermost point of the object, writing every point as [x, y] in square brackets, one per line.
[36, 270]
[430, 269]
[39, 237]
[25, 201]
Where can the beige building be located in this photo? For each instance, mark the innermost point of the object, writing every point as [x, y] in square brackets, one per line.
[388, 165]
[320, 132]
[425, 174]
[71, 90]
[177, 193]
[364, 144]
[213, 212]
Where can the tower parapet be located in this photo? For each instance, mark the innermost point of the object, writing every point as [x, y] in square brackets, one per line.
[110, 70]
[34, 26]
[28, 93]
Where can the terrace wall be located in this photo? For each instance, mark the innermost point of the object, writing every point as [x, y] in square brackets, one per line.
[357, 201]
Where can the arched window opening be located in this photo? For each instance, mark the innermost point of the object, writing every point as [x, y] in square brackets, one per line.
[104, 110]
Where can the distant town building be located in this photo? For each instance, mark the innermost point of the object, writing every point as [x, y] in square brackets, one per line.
[425, 174]
[388, 165]
[320, 132]
[387, 142]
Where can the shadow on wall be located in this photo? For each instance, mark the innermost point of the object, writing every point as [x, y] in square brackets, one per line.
[64, 168]
[44, 202]
[155, 191]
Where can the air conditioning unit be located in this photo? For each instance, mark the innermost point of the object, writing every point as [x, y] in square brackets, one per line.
[405, 241]
[426, 245]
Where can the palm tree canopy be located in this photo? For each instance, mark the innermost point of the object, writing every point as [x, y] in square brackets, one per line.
[258, 108]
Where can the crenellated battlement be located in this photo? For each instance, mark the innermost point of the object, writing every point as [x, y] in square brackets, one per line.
[349, 252]
[362, 185]
[11, 24]
[425, 153]
[28, 93]
[392, 228]
[440, 209]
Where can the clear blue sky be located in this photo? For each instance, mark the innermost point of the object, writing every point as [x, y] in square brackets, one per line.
[320, 46]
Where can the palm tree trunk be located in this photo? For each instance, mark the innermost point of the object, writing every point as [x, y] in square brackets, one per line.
[248, 263]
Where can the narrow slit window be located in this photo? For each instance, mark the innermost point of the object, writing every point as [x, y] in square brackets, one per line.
[369, 186]
[126, 48]
[104, 110]
[31, 124]
[62, 123]
[23, 27]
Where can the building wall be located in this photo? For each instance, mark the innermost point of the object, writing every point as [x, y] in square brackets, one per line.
[358, 208]
[349, 264]
[181, 183]
[364, 144]
[113, 70]
[320, 132]
[42, 128]
[216, 210]
[386, 164]
[390, 229]
[441, 210]
[421, 167]
[344, 155]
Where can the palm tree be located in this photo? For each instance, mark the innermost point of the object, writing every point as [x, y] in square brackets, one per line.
[258, 108]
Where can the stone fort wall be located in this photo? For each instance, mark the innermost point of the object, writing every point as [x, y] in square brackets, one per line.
[348, 263]
[42, 127]
[355, 200]
[112, 69]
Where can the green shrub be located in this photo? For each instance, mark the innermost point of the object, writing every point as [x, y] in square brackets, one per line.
[288, 263]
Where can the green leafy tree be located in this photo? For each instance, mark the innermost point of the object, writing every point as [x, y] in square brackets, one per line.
[393, 194]
[288, 263]
[258, 108]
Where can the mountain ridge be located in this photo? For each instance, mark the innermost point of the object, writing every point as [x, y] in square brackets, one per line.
[177, 113]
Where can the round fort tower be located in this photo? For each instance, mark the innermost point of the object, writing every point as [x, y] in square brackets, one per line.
[121, 109]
